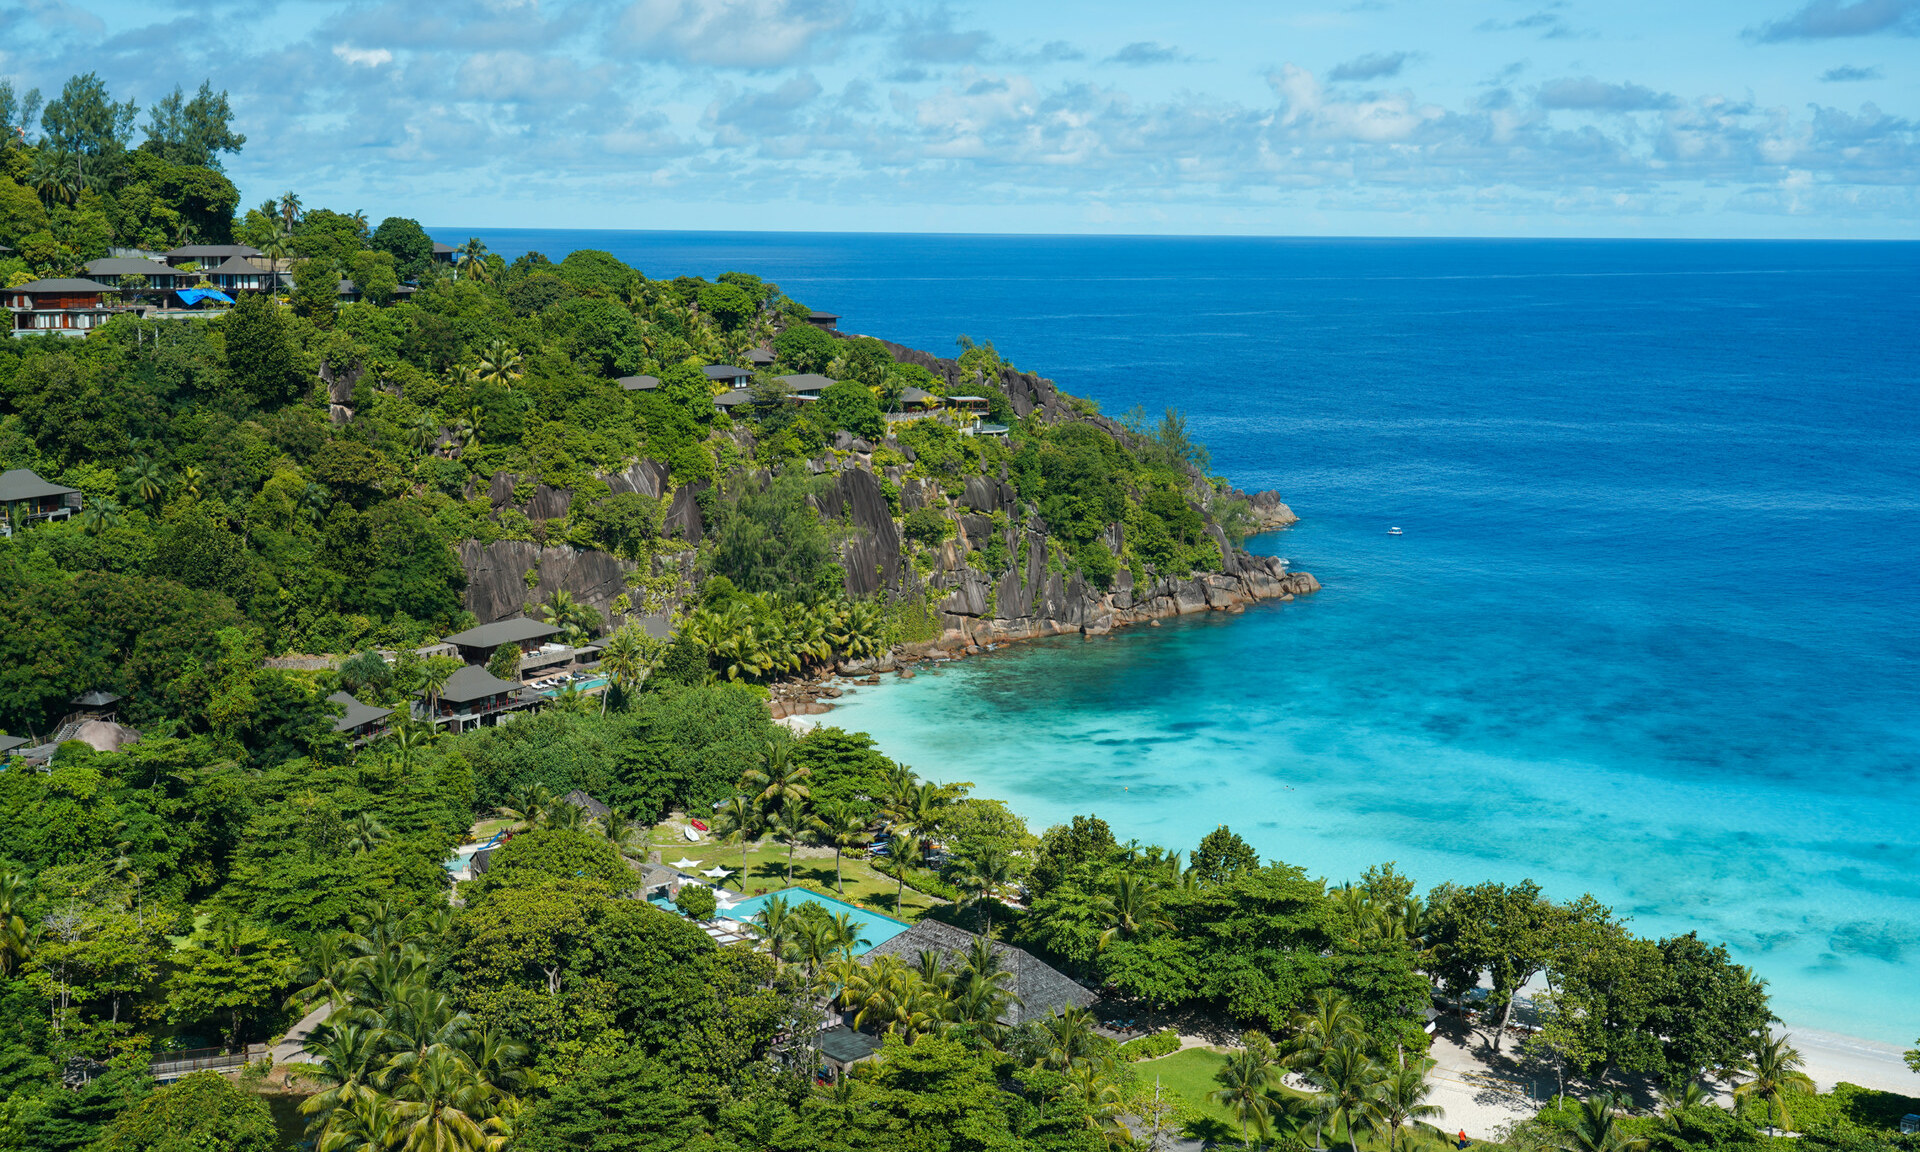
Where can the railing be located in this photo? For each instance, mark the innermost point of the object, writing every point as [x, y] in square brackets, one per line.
[197, 1060]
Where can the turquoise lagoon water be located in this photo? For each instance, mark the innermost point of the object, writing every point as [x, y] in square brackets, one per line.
[1650, 631]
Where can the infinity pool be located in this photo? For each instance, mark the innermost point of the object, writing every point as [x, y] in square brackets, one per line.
[873, 928]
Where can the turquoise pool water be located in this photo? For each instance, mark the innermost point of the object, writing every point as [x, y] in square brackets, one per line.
[873, 928]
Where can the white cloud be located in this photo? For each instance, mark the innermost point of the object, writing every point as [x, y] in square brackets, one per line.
[362, 57]
[730, 33]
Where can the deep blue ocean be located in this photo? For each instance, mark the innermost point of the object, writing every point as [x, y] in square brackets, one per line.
[1652, 630]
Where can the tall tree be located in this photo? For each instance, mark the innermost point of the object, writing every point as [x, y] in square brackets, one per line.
[85, 123]
[261, 358]
[195, 131]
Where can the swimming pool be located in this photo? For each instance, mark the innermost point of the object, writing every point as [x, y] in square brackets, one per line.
[872, 927]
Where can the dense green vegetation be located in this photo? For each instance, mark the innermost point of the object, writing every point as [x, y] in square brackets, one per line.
[294, 476]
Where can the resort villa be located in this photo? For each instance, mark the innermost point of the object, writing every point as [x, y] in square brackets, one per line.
[27, 499]
[362, 723]
[475, 696]
[727, 376]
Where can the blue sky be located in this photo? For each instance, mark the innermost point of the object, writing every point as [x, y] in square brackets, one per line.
[1762, 118]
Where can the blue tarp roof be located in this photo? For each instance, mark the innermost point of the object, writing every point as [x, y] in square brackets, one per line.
[192, 296]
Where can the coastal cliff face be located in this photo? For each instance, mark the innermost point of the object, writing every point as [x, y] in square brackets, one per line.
[1036, 590]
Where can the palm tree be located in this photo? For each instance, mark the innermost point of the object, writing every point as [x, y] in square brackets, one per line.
[343, 1057]
[840, 824]
[779, 928]
[562, 611]
[624, 659]
[1776, 1070]
[289, 209]
[530, 806]
[1402, 1099]
[1246, 1082]
[500, 363]
[1091, 1083]
[1129, 908]
[100, 515]
[364, 1122]
[566, 817]
[473, 258]
[441, 1107]
[789, 824]
[328, 967]
[1595, 1128]
[738, 816]
[1349, 1079]
[620, 826]
[434, 676]
[15, 937]
[146, 480]
[1070, 1037]
[780, 781]
[986, 872]
[1679, 1096]
[907, 855]
[1329, 1021]
[366, 833]
[920, 807]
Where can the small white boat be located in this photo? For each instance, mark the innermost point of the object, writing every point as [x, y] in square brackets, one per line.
[692, 834]
[1393, 531]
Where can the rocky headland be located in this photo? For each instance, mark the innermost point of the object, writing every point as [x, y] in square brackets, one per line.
[1039, 593]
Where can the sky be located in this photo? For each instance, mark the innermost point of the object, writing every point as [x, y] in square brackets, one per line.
[1707, 118]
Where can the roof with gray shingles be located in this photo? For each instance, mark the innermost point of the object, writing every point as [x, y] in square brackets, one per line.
[357, 713]
[64, 284]
[725, 372]
[9, 743]
[1042, 989]
[593, 808]
[512, 630]
[639, 383]
[25, 484]
[730, 399]
[196, 251]
[807, 382]
[474, 683]
[119, 266]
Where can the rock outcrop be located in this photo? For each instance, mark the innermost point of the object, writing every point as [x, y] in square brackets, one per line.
[497, 582]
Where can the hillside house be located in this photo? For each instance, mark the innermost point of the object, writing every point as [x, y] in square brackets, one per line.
[727, 376]
[27, 499]
[208, 255]
[117, 272]
[362, 722]
[474, 696]
[65, 307]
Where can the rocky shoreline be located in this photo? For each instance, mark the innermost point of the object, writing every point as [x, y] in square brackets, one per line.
[1259, 578]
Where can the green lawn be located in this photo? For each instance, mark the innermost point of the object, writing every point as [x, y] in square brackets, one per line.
[767, 872]
[1189, 1076]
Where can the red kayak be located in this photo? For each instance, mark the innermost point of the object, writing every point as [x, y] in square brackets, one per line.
[698, 824]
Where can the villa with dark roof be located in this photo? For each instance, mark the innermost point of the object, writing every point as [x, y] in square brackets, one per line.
[27, 499]
[114, 271]
[208, 255]
[474, 696]
[806, 385]
[476, 645]
[728, 375]
[362, 722]
[66, 307]
[1041, 988]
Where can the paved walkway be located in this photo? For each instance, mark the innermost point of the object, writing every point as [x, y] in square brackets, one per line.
[289, 1050]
